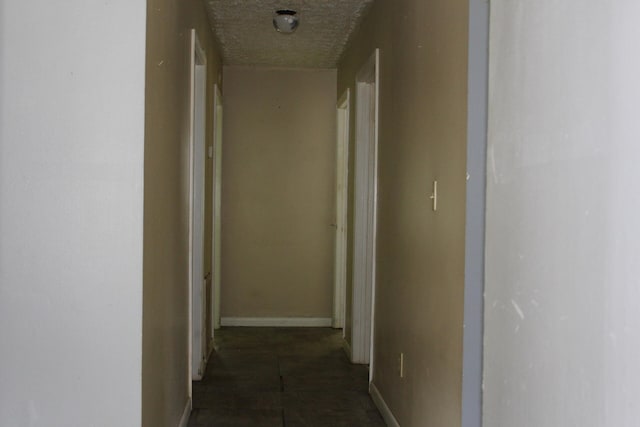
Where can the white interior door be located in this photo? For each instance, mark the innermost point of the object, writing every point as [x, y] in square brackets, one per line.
[198, 156]
[342, 171]
[217, 197]
[365, 199]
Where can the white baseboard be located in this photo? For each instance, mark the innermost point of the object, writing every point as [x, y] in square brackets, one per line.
[197, 376]
[184, 421]
[319, 322]
[346, 347]
[211, 348]
[382, 406]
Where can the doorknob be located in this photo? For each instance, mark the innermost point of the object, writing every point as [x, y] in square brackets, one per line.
[334, 225]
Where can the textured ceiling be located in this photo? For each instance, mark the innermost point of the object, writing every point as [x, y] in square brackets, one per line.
[247, 37]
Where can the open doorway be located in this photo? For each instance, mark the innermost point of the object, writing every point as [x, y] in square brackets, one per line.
[197, 280]
[365, 201]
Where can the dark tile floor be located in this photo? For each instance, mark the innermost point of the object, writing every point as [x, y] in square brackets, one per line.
[282, 377]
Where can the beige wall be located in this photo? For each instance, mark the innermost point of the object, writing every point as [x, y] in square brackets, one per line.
[165, 310]
[420, 260]
[278, 192]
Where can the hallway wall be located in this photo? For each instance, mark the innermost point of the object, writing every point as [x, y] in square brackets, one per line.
[562, 340]
[278, 192]
[165, 377]
[421, 254]
[71, 212]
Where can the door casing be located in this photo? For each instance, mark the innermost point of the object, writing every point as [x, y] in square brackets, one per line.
[365, 203]
[197, 156]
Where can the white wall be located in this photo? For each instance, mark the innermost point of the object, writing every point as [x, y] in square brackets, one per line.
[71, 163]
[562, 340]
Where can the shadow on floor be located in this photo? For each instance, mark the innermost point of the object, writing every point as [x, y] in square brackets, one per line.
[282, 377]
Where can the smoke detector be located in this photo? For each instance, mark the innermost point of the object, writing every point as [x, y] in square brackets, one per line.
[285, 21]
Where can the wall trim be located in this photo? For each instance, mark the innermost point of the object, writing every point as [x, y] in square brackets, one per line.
[184, 420]
[313, 322]
[382, 406]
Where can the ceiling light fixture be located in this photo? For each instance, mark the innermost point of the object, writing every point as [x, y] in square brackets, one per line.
[285, 21]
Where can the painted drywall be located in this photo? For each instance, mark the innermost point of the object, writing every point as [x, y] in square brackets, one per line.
[278, 192]
[165, 378]
[71, 188]
[562, 337]
[420, 253]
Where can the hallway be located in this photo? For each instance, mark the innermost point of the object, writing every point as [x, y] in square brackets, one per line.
[158, 181]
[289, 377]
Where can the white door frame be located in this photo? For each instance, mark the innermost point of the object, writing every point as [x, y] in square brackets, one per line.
[197, 159]
[365, 206]
[343, 108]
[217, 194]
